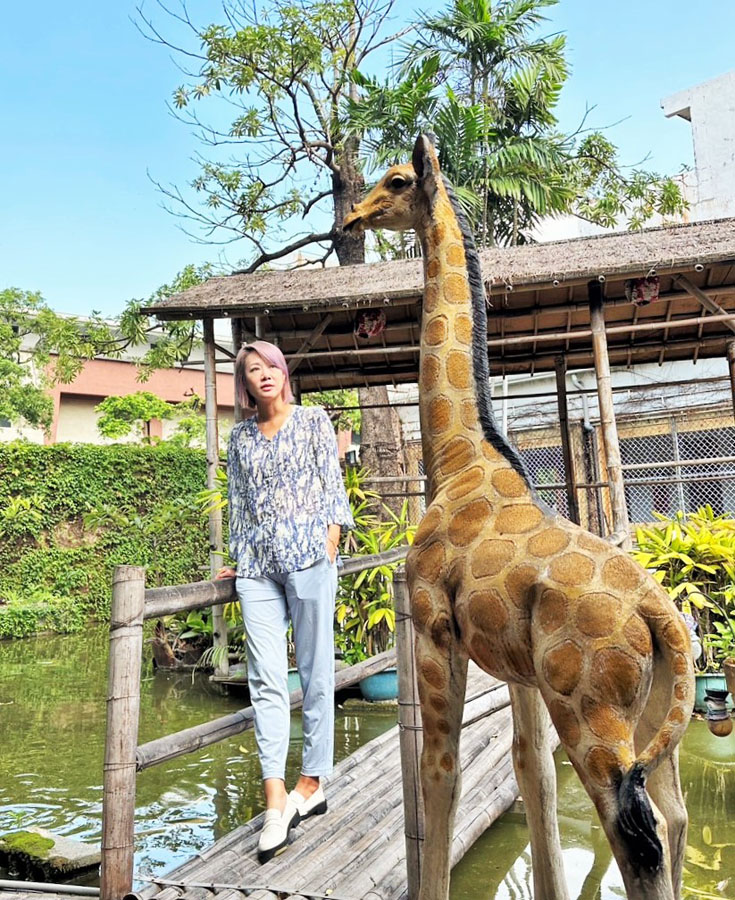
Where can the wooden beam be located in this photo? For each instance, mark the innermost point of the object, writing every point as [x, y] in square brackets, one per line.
[316, 332]
[238, 338]
[566, 440]
[621, 523]
[731, 369]
[219, 625]
[707, 302]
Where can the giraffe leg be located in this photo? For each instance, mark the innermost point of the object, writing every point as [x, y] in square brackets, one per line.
[642, 881]
[664, 784]
[533, 760]
[441, 668]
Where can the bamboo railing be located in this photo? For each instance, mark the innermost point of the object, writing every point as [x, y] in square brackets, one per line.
[132, 604]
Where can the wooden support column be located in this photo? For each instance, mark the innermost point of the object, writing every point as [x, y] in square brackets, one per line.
[731, 369]
[219, 625]
[566, 440]
[123, 712]
[237, 342]
[410, 734]
[611, 443]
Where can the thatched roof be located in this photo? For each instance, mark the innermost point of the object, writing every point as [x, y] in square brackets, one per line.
[534, 290]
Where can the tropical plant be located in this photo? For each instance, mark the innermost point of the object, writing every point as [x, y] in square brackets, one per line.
[693, 557]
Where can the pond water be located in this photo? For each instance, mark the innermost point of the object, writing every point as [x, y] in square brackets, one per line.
[52, 721]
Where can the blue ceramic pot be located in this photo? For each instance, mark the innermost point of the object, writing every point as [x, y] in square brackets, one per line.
[294, 682]
[381, 686]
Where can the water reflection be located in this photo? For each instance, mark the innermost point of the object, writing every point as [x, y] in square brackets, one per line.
[52, 723]
[499, 865]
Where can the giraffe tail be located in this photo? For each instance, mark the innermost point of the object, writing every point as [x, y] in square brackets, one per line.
[636, 821]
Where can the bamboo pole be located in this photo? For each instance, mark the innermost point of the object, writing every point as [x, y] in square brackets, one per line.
[566, 440]
[731, 370]
[237, 342]
[219, 626]
[621, 523]
[123, 709]
[410, 734]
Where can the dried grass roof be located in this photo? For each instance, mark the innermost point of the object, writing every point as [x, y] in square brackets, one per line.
[538, 295]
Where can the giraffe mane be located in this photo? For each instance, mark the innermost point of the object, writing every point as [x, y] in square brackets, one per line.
[480, 367]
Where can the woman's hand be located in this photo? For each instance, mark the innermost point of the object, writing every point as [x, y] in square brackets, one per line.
[225, 572]
[331, 550]
[333, 533]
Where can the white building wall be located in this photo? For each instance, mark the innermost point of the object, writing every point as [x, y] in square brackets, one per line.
[710, 107]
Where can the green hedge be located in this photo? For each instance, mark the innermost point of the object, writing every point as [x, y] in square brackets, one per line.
[55, 572]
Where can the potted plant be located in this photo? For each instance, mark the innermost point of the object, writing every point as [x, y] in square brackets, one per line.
[694, 559]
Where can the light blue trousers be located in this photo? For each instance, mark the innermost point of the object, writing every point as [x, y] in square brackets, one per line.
[306, 597]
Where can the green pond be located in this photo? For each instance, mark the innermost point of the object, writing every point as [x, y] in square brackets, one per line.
[52, 720]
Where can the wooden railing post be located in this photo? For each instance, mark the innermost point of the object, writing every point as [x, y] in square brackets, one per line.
[409, 724]
[123, 710]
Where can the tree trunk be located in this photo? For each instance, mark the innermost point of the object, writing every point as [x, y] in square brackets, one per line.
[381, 444]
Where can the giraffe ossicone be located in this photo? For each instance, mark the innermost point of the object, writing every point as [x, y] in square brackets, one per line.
[578, 630]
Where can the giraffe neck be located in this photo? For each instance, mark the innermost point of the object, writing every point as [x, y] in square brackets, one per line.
[457, 423]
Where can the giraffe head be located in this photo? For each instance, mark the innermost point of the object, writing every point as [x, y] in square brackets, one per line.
[403, 198]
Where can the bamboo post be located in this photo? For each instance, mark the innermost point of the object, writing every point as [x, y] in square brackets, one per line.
[566, 441]
[409, 725]
[123, 709]
[219, 626]
[237, 342]
[608, 426]
[731, 369]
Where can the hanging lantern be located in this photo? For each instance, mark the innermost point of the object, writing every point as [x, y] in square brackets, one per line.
[718, 718]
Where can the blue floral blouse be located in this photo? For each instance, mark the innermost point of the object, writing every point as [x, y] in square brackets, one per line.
[284, 492]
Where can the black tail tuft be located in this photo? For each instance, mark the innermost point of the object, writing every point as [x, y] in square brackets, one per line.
[636, 822]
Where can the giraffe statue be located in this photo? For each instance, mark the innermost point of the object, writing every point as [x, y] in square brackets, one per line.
[579, 631]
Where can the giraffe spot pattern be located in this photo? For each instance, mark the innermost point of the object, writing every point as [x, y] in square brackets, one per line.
[518, 519]
[456, 454]
[456, 289]
[681, 691]
[594, 544]
[441, 632]
[566, 723]
[547, 542]
[465, 525]
[676, 716]
[421, 608]
[622, 573]
[680, 664]
[428, 525]
[439, 233]
[440, 414]
[508, 483]
[616, 676]
[430, 562]
[463, 329]
[432, 268]
[468, 414]
[676, 635]
[431, 296]
[520, 584]
[638, 635]
[459, 371]
[552, 610]
[447, 762]
[430, 371]
[438, 702]
[455, 255]
[433, 674]
[436, 331]
[490, 557]
[443, 726]
[485, 654]
[602, 765]
[487, 611]
[465, 483]
[562, 667]
[605, 721]
[572, 568]
[654, 605]
[597, 614]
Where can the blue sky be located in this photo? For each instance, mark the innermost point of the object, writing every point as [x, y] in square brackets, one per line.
[84, 122]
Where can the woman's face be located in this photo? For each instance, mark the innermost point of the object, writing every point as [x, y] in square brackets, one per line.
[263, 381]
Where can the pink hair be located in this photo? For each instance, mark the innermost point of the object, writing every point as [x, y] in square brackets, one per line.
[274, 357]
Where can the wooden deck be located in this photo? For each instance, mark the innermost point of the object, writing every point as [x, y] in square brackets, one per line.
[358, 849]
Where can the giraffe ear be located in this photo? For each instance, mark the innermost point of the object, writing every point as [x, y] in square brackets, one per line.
[426, 167]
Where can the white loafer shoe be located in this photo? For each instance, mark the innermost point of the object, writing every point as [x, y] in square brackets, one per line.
[276, 828]
[316, 805]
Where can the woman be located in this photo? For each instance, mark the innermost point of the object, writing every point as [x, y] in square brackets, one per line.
[287, 506]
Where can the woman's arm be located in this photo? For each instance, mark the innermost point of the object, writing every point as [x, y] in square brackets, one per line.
[338, 510]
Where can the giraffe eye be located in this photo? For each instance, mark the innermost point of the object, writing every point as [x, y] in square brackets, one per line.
[397, 182]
